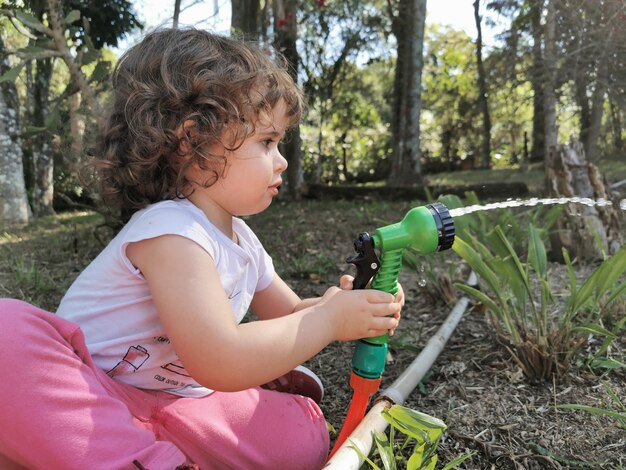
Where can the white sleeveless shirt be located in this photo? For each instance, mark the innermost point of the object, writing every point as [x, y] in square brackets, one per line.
[111, 302]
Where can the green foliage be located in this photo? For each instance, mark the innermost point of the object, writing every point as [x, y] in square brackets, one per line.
[350, 139]
[591, 304]
[512, 114]
[12, 74]
[519, 297]
[418, 449]
[599, 290]
[344, 134]
[450, 124]
[100, 22]
[87, 27]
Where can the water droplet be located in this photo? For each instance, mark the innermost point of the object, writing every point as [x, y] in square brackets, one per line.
[421, 282]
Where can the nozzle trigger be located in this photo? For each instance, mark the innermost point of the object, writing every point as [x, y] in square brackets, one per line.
[366, 261]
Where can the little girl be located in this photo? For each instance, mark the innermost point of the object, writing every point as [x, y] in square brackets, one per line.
[146, 363]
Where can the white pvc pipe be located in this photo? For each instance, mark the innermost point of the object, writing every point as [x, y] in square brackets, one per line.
[346, 458]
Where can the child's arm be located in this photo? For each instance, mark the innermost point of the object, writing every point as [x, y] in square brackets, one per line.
[224, 355]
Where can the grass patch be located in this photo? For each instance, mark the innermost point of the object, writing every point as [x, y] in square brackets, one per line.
[39, 262]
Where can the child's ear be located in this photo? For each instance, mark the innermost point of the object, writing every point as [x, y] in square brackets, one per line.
[187, 134]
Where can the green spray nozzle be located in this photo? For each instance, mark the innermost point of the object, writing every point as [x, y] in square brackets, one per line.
[425, 229]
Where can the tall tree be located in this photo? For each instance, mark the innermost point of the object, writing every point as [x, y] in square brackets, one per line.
[482, 86]
[408, 19]
[14, 207]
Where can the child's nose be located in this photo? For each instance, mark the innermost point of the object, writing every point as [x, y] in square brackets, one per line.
[280, 162]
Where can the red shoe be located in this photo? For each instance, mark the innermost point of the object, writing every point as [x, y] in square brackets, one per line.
[300, 381]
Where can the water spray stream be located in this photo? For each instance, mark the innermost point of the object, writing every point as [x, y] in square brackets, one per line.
[600, 202]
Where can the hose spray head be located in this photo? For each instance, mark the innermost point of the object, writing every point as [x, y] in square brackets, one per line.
[425, 229]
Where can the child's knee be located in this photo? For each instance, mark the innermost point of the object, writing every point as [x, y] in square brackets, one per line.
[15, 317]
[26, 330]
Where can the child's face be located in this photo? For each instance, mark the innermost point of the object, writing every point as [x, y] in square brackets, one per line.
[252, 174]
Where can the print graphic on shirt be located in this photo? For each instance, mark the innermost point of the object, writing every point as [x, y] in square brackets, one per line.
[176, 368]
[134, 358]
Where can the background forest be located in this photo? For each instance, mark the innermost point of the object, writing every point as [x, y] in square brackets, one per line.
[390, 101]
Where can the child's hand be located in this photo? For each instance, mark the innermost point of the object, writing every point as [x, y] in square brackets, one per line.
[346, 283]
[356, 314]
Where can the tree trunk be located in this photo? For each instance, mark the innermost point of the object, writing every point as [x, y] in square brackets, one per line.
[43, 159]
[245, 18]
[482, 85]
[27, 144]
[14, 208]
[41, 143]
[587, 232]
[537, 152]
[550, 76]
[591, 103]
[319, 167]
[176, 16]
[286, 30]
[344, 156]
[616, 125]
[408, 28]
[77, 129]
[597, 110]
[526, 157]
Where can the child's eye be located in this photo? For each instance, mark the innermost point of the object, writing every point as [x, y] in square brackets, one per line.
[268, 142]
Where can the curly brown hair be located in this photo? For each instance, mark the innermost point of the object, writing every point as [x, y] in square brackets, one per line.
[183, 79]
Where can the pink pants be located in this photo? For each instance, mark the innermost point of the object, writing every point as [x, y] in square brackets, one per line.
[59, 411]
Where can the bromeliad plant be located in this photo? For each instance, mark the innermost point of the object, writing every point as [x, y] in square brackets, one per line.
[519, 299]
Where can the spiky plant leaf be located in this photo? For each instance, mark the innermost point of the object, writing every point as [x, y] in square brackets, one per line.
[385, 451]
[537, 257]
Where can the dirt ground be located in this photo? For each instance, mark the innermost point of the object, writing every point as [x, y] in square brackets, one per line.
[474, 386]
[484, 399]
